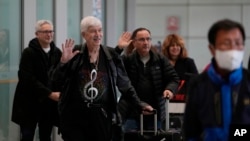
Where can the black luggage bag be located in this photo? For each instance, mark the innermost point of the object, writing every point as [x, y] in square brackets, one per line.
[169, 134]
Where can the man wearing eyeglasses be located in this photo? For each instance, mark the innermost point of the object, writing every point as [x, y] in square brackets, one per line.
[151, 74]
[34, 102]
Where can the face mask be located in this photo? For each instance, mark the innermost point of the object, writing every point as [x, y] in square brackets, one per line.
[230, 59]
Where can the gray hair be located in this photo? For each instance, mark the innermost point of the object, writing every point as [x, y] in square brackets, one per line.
[42, 22]
[88, 22]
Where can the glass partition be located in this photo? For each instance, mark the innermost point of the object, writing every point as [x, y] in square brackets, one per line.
[74, 19]
[44, 9]
[10, 47]
[98, 10]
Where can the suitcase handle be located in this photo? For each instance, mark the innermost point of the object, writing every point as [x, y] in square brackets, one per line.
[155, 119]
[155, 122]
[167, 115]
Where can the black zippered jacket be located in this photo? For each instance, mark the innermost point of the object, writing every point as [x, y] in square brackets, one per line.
[164, 77]
[33, 88]
[64, 79]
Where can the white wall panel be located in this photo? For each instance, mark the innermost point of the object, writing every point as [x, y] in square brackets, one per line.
[246, 1]
[215, 1]
[29, 21]
[111, 23]
[246, 23]
[61, 22]
[247, 53]
[246, 19]
[130, 15]
[162, 1]
[202, 17]
[155, 19]
[87, 8]
[198, 50]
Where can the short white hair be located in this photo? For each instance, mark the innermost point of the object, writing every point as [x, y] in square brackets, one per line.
[42, 22]
[88, 22]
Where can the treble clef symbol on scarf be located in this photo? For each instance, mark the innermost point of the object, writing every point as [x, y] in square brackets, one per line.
[92, 91]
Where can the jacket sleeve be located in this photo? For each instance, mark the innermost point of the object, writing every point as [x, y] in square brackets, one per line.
[118, 50]
[26, 74]
[191, 66]
[248, 64]
[191, 125]
[124, 84]
[170, 76]
[58, 76]
[63, 71]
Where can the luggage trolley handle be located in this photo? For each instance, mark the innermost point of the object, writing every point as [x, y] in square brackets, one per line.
[155, 122]
[167, 114]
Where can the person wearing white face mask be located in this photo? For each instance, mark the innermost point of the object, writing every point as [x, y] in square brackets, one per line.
[229, 60]
[218, 99]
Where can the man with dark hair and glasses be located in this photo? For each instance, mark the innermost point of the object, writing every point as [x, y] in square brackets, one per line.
[34, 102]
[218, 99]
[151, 74]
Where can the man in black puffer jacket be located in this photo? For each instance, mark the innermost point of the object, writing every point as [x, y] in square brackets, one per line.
[151, 74]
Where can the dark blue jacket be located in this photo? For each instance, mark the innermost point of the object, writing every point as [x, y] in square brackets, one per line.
[203, 107]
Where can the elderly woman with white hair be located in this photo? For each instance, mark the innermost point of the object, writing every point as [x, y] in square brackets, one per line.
[88, 76]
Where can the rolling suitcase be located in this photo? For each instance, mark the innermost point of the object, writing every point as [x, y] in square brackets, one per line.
[168, 134]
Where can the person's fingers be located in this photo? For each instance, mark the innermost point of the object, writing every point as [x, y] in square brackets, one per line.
[148, 108]
[147, 113]
[66, 43]
[167, 94]
[63, 47]
[71, 42]
[75, 52]
[127, 35]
